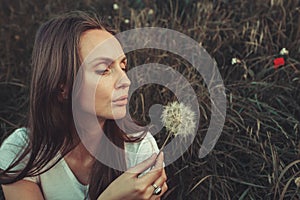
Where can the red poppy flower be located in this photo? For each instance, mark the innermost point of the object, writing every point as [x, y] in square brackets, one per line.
[278, 62]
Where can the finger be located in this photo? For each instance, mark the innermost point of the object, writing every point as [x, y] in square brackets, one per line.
[164, 188]
[161, 179]
[143, 165]
[153, 197]
[155, 172]
[164, 175]
[159, 162]
[159, 166]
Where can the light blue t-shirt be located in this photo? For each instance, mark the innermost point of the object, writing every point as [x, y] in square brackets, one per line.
[59, 183]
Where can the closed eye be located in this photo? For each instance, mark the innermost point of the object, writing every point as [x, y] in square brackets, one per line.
[125, 69]
[124, 64]
[103, 72]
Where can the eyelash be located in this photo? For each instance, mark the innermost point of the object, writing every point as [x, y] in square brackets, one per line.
[125, 68]
[103, 72]
[108, 69]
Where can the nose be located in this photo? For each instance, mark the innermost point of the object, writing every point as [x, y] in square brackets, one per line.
[123, 81]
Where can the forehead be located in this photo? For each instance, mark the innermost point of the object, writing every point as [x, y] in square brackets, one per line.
[99, 43]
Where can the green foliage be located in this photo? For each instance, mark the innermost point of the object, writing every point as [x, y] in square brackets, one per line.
[257, 155]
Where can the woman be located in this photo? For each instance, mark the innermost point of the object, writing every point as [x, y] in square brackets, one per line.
[55, 157]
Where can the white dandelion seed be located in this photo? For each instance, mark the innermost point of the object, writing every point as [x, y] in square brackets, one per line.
[178, 119]
[151, 12]
[115, 6]
[284, 51]
[235, 61]
[126, 21]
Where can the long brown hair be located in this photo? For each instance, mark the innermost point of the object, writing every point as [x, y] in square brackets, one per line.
[55, 62]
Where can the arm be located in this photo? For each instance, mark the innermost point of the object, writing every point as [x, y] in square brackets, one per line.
[9, 151]
[22, 189]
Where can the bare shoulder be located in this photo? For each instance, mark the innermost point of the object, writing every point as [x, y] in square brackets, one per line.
[27, 190]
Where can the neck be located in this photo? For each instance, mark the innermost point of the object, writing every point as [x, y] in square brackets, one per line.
[87, 136]
[80, 153]
[81, 162]
[86, 123]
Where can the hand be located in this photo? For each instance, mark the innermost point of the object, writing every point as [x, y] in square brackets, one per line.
[163, 186]
[129, 187]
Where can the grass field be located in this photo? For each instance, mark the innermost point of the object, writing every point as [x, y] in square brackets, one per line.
[258, 153]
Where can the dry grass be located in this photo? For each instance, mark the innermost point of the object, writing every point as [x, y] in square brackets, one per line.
[257, 155]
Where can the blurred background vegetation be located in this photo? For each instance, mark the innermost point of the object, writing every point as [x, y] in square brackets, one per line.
[257, 155]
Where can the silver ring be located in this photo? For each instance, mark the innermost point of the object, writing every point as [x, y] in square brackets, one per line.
[157, 189]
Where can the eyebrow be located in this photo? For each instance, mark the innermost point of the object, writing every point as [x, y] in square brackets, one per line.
[106, 60]
[102, 59]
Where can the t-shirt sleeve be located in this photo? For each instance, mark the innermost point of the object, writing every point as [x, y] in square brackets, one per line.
[140, 151]
[13, 147]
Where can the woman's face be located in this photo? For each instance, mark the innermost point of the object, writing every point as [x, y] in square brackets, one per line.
[104, 79]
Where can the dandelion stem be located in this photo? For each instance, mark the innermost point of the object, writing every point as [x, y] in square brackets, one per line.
[165, 142]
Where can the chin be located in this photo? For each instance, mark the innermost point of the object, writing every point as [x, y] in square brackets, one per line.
[119, 114]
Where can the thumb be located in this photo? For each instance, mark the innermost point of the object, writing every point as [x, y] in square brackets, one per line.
[141, 167]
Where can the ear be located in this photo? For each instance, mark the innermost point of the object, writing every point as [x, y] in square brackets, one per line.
[63, 93]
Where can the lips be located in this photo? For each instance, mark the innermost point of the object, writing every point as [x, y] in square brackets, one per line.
[121, 101]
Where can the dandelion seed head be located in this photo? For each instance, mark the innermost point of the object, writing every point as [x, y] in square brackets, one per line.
[178, 119]
[126, 21]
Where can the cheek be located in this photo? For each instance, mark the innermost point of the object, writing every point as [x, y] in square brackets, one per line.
[103, 97]
[87, 94]
[103, 92]
[118, 112]
[103, 103]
